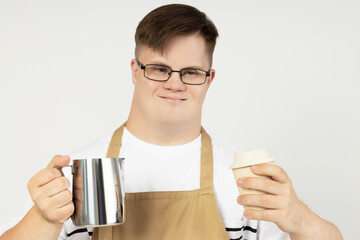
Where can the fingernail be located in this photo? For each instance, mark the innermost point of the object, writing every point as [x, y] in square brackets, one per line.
[246, 214]
[239, 199]
[240, 182]
[254, 167]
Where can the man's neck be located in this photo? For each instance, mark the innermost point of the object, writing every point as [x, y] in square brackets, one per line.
[163, 134]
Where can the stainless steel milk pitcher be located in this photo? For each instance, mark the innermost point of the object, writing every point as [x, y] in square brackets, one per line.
[98, 192]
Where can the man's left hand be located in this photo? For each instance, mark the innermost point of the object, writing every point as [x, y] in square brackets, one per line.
[279, 198]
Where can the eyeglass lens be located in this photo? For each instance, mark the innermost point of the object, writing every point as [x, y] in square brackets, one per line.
[162, 73]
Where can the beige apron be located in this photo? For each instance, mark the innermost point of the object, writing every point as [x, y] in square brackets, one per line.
[171, 215]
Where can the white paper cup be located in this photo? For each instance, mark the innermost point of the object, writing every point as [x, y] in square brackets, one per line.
[242, 168]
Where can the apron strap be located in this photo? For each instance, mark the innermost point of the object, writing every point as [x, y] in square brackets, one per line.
[115, 143]
[206, 169]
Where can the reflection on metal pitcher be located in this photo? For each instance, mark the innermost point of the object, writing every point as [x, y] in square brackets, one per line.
[98, 192]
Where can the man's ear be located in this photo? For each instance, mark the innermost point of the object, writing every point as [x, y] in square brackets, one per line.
[134, 69]
[210, 78]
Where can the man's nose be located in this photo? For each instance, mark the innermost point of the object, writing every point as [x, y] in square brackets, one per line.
[174, 82]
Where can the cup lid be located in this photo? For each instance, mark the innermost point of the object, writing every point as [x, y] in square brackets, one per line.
[244, 159]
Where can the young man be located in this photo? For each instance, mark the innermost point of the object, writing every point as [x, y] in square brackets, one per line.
[173, 169]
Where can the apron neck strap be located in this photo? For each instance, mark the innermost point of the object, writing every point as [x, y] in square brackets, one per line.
[206, 169]
[115, 143]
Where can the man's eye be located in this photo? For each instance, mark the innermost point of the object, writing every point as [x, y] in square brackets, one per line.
[191, 72]
[159, 69]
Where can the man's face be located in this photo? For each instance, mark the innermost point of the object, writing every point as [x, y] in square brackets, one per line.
[172, 102]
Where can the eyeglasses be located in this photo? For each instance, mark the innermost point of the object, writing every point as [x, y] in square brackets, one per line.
[162, 73]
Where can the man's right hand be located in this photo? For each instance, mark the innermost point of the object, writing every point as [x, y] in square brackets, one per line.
[53, 204]
[49, 191]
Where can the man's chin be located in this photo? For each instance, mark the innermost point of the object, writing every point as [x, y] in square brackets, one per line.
[172, 119]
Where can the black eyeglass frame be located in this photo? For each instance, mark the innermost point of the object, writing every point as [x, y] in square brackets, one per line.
[207, 73]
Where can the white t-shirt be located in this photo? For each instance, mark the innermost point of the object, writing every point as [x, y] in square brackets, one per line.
[149, 167]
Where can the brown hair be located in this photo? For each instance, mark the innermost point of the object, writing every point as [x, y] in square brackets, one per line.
[164, 23]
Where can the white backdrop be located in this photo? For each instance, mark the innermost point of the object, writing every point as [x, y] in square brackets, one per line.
[287, 80]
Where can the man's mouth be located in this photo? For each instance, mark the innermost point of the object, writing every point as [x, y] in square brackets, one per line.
[173, 99]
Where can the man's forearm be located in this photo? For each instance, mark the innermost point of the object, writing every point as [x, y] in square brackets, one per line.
[33, 226]
[316, 228]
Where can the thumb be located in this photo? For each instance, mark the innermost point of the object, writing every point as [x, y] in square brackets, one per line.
[59, 161]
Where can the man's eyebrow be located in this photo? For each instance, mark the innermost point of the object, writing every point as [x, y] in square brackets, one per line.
[159, 63]
[195, 66]
[164, 64]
